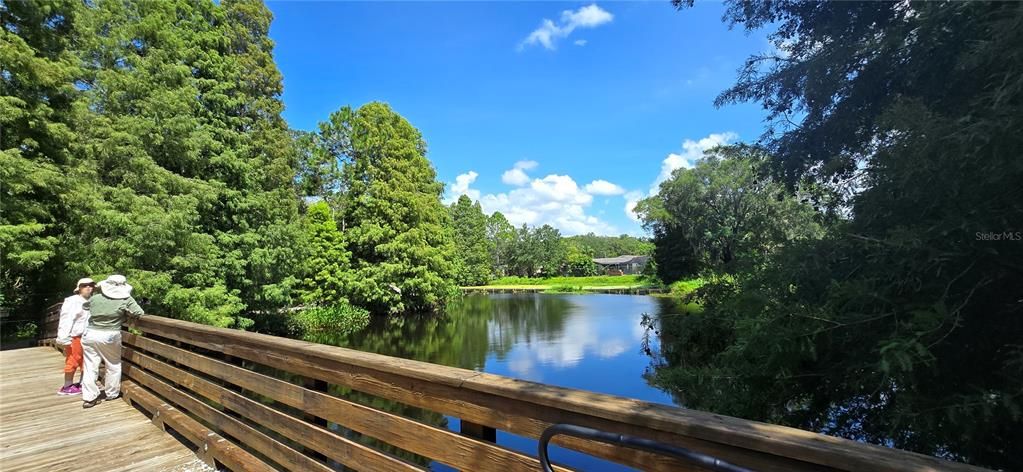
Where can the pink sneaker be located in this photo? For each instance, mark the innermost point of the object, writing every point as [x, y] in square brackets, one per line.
[70, 390]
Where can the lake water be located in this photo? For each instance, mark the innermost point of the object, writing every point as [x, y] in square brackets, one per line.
[591, 342]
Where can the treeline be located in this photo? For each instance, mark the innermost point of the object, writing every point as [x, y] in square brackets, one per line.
[863, 259]
[490, 246]
[146, 138]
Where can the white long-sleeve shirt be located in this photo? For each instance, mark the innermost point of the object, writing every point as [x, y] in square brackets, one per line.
[74, 317]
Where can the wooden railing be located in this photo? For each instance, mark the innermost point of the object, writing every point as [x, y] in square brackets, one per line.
[48, 328]
[250, 401]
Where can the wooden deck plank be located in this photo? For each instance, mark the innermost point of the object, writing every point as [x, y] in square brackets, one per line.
[40, 430]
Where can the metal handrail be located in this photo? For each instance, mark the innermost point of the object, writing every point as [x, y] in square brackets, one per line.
[702, 460]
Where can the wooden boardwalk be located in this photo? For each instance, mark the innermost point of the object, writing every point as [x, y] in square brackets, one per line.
[205, 384]
[40, 430]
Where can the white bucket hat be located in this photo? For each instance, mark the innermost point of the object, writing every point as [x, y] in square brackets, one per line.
[116, 287]
[85, 281]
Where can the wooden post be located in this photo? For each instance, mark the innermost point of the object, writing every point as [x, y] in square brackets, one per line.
[318, 386]
[477, 431]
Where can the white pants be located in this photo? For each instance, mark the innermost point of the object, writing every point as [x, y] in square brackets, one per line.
[101, 345]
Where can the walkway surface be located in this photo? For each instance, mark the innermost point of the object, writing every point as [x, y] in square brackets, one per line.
[40, 430]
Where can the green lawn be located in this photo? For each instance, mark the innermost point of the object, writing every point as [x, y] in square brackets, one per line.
[581, 284]
[623, 281]
[683, 287]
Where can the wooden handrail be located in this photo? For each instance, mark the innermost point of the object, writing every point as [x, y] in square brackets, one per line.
[172, 359]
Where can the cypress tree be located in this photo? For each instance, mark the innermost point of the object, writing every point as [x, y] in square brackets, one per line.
[397, 228]
[469, 225]
[185, 178]
[37, 72]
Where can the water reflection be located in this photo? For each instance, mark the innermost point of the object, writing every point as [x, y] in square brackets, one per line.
[590, 342]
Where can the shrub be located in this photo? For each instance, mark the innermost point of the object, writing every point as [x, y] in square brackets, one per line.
[23, 331]
[341, 318]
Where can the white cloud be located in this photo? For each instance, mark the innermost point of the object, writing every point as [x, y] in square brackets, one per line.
[612, 348]
[549, 32]
[589, 16]
[526, 165]
[579, 42]
[631, 200]
[590, 339]
[461, 187]
[556, 200]
[523, 366]
[560, 188]
[516, 175]
[603, 187]
[692, 151]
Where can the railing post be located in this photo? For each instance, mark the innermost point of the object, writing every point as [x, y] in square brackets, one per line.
[315, 385]
[478, 431]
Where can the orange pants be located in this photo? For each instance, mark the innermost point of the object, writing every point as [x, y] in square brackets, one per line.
[73, 355]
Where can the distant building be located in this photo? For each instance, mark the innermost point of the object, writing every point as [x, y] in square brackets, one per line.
[622, 265]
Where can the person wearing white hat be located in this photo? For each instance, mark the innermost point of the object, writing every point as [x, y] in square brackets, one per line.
[109, 308]
[74, 316]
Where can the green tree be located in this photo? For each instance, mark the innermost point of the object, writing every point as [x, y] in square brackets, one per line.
[901, 326]
[328, 259]
[394, 222]
[318, 172]
[579, 262]
[727, 209]
[550, 251]
[612, 246]
[524, 255]
[184, 181]
[37, 73]
[472, 247]
[537, 251]
[502, 236]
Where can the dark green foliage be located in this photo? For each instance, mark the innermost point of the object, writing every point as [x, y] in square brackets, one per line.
[538, 251]
[472, 247]
[650, 270]
[37, 71]
[724, 214]
[394, 223]
[901, 326]
[179, 168]
[550, 248]
[611, 246]
[19, 332]
[674, 257]
[501, 235]
[318, 173]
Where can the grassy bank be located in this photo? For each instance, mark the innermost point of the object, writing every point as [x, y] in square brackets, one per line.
[597, 281]
[683, 287]
[583, 284]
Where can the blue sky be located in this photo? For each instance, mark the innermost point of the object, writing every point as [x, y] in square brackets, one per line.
[560, 113]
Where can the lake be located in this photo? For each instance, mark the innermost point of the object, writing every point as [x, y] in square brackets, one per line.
[584, 341]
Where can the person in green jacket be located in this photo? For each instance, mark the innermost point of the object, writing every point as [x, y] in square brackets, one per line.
[109, 308]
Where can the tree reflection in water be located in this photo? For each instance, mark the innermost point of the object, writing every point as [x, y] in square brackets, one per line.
[472, 328]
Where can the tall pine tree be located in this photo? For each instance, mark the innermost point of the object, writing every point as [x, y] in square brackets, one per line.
[469, 225]
[184, 181]
[37, 73]
[393, 221]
